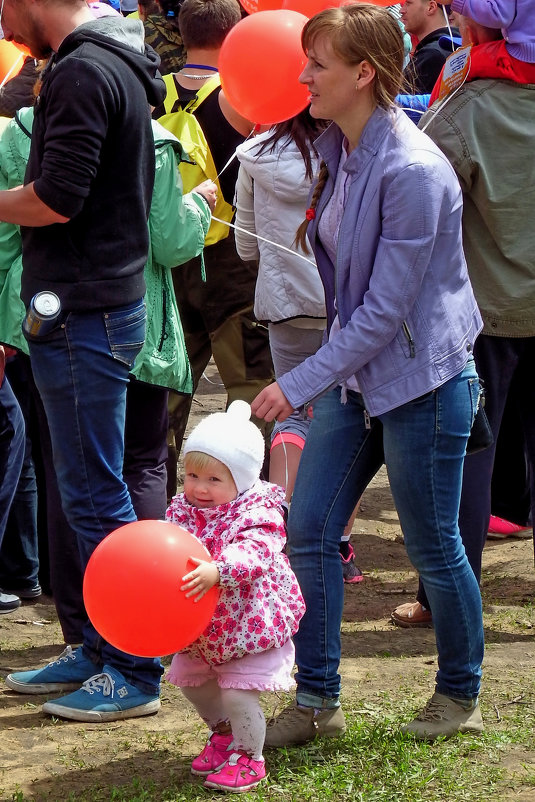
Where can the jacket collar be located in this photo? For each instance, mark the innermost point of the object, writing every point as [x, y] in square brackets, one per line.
[329, 144]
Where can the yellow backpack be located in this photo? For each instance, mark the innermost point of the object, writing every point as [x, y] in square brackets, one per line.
[185, 126]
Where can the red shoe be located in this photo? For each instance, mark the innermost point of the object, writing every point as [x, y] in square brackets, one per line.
[214, 755]
[499, 529]
[239, 774]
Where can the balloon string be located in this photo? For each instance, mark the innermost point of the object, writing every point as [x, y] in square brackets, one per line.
[269, 241]
[250, 233]
[413, 111]
[249, 135]
[8, 73]
[449, 28]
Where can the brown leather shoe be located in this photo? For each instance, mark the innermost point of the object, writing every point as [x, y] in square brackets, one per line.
[411, 614]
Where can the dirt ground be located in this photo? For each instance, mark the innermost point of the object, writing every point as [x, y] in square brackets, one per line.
[43, 758]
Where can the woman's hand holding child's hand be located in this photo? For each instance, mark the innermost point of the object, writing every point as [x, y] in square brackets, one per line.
[201, 579]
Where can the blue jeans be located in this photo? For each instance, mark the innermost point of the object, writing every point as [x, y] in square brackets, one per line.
[19, 552]
[81, 371]
[12, 440]
[424, 444]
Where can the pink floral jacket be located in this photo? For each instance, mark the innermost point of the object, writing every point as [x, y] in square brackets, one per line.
[261, 603]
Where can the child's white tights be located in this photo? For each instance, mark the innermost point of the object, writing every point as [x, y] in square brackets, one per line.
[240, 707]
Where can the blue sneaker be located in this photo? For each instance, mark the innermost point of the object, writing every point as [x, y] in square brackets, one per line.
[64, 674]
[104, 697]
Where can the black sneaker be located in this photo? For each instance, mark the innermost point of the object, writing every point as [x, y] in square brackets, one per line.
[32, 592]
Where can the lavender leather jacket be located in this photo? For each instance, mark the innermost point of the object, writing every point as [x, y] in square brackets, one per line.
[407, 312]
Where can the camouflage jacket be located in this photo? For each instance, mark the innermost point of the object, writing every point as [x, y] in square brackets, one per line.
[167, 42]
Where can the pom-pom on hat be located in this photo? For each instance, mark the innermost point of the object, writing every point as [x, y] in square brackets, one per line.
[234, 440]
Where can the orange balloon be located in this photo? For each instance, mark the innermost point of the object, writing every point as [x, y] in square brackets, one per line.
[11, 60]
[23, 49]
[132, 589]
[260, 63]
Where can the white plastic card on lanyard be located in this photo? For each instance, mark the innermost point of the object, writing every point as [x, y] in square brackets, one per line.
[455, 71]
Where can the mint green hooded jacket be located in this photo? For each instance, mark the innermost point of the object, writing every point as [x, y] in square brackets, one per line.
[177, 227]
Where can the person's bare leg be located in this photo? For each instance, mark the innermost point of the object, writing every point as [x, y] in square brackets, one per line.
[349, 526]
[283, 465]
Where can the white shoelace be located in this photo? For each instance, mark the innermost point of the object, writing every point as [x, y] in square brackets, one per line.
[100, 683]
[66, 655]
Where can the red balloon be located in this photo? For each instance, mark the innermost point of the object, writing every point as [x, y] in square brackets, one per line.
[311, 7]
[11, 60]
[260, 63]
[132, 589]
[252, 6]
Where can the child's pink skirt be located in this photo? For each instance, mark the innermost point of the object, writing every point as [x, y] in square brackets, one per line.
[266, 671]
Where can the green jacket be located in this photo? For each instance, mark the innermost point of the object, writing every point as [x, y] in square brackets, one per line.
[487, 131]
[177, 229]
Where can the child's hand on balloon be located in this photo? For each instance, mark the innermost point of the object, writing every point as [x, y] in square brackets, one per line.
[201, 579]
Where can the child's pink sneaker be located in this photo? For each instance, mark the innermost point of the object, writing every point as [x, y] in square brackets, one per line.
[214, 755]
[499, 529]
[240, 773]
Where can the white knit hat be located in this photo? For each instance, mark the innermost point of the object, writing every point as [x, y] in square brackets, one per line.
[234, 440]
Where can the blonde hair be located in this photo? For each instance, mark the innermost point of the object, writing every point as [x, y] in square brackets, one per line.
[198, 460]
[358, 32]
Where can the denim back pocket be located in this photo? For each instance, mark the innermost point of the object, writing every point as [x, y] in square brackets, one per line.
[126, 331]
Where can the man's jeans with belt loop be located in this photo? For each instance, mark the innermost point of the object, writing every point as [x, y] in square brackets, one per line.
[81, 371]
[424, 444]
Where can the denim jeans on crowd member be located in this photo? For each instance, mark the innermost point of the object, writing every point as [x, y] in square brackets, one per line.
[81, 371]
[340, 458]
[19, 552]
[424, 444]
[12, 439]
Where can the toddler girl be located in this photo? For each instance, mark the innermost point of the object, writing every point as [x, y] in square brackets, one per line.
[247, 647]
[515, 18]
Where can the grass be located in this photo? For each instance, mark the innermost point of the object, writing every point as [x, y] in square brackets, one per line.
[387, 676]
[372, 762]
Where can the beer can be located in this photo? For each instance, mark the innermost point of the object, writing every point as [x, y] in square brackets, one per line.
[42, 314]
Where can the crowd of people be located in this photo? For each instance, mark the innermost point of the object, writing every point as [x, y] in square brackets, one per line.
[363, 284]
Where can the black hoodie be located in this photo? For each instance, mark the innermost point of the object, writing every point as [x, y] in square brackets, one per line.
[92, 160]
[428, 59]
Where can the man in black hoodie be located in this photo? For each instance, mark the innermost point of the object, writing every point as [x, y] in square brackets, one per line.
[83, 214]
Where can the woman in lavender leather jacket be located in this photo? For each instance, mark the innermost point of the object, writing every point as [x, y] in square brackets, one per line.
[385, 227]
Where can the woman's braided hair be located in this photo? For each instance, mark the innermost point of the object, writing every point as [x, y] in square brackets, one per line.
[357, 32]
[301, 235]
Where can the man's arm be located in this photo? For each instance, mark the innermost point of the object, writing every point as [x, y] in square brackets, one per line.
[21, 206]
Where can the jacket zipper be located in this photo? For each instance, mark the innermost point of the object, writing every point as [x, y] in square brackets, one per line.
[408, 335]
[164, 320]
